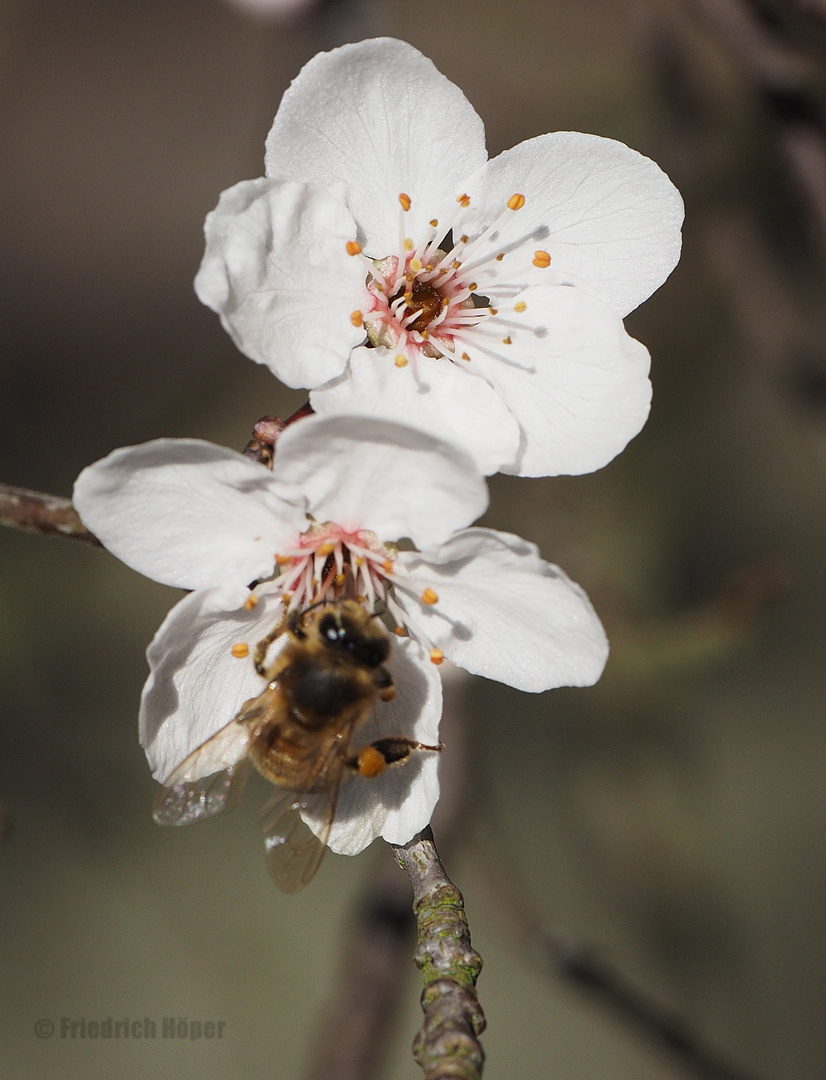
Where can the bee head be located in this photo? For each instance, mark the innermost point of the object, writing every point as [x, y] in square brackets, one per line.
[354, 633]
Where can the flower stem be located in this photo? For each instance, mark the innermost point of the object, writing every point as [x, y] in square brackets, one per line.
[447, 1046]
[261, 446]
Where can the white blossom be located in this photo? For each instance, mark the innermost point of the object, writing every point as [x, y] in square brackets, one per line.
[253, 544]
[386, 264]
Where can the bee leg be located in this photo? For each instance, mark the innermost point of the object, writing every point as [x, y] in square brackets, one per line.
[374, 759]
[383, 681]
[260, 654]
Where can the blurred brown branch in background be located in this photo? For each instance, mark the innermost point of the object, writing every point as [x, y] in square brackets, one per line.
[354, 1031]
[781, 46]
[582, 968]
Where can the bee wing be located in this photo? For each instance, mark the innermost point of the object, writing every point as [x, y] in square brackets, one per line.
[189, 796]
[294, 852]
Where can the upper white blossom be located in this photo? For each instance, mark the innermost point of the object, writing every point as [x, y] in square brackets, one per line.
[491, 293]
[342, 491]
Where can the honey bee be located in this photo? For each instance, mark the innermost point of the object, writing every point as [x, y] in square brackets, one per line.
[298, 732]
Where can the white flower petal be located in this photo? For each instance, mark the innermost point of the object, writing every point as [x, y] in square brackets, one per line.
[196, 685]
[277, 271]
[436, 396]
[372, 474]
[503, 612]
[374, 120]
[399, 802]
[187, 513]
[609, 217]
[575, 381]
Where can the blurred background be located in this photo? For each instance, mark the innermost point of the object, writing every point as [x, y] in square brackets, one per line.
[673, 818]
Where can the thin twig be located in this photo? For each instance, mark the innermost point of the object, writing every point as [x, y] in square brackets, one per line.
[447, 1046]
[35, 511]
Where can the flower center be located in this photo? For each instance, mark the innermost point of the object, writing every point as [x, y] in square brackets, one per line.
[419, 303]
[424, 301]
[330, 563]
[421, 297]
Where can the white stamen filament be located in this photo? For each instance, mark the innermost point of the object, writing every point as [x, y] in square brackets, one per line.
[371, 566]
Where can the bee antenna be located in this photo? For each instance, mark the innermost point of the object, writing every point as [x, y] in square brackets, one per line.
[317, 604]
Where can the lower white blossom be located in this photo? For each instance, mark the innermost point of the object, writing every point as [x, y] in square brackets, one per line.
[384, 263]
[324, 524]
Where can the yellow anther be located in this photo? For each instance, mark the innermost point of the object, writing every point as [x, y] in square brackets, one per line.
[473, 286]
[516, 202]
[361, 599]
[283, 560]
[465, 357]
[405, 201]
[463, 200]
[357, 319]
[240, 649]
[415, 265]
[399, 631]
[353, 247]
[339, 579]
[430, 597]
[434, 223]
[286, 598]
[251, 602]
[327, 548]
[456, 264]
[408, 244]
[359, 560]
[387, 566]
[400, 361]
[436, 656]
[500, 256]
[463, 239]
[541, 259]
[507, 340]
[520, 307]
[493, 311]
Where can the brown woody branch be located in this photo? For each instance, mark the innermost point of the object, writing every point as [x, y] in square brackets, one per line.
[35, 511]
[447, 1047]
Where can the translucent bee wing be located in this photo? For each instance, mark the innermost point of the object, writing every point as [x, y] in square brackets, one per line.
[221, 751]
[185, 803]
[293, 850]
[189, 795]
